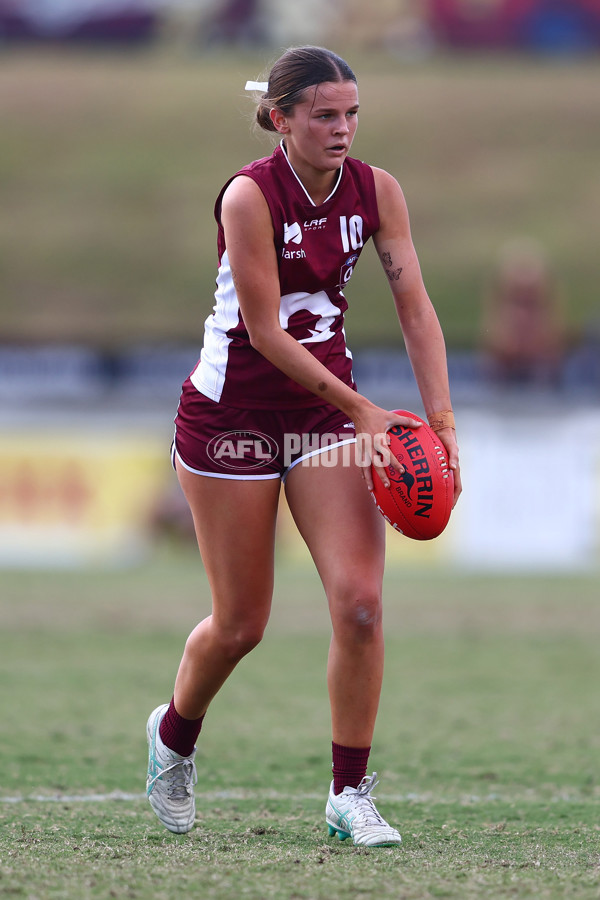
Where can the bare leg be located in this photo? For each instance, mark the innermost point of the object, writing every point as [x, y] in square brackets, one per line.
[346, 537]
[235, 527]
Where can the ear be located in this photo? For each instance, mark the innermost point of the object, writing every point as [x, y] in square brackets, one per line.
[280, 121]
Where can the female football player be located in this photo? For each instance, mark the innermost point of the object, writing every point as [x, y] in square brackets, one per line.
[271, 400]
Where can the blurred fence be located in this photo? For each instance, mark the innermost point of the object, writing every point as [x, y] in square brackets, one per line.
[85, 477]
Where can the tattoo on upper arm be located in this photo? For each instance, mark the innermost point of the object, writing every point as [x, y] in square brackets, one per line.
[392, 274]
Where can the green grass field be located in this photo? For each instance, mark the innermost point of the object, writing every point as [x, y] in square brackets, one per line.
[111, 163]
[487, 743]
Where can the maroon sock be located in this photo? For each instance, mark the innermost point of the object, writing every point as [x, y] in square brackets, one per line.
[349, 766]
[177, 733]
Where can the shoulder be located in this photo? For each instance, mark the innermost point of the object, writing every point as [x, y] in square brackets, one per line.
[245, 214]
[269, 171]
[390, 200]
[241, 190]
[243, 197]
[386, 185]
[247, 186]
[387, 191]
[359, 170]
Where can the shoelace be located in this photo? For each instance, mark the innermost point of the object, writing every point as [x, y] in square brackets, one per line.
[362, 801]
[179, 782]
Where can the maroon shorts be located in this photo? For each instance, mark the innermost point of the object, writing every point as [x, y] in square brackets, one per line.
[223, 442]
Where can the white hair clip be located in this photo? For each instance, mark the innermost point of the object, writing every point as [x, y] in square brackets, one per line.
[257, 86]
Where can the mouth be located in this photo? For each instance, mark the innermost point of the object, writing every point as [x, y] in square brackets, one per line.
[338, 148]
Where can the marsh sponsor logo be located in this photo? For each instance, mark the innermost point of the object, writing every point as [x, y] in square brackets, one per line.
[292, 234]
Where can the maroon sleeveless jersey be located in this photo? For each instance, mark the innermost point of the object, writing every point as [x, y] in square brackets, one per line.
[317, 248]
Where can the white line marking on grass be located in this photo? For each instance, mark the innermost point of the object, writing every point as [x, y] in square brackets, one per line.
[257, 796]
[209, 797]
[72, 798]
[238, 794]
[124, 796]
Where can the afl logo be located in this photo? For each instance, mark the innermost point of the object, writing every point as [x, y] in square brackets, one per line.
[347, 270]
[242, 450]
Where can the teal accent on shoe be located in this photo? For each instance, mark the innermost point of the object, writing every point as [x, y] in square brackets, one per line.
[344, 819]
[342, 835]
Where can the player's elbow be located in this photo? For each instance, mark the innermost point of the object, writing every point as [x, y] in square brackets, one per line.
[263, 338]
[256, 337]
[257, 340]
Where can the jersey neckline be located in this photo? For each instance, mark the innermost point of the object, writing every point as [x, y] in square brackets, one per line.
[296, 176]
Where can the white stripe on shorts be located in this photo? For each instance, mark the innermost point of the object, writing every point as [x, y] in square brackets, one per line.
[316, 452]
[175, 453]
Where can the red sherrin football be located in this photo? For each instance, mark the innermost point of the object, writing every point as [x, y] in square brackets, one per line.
[419, 501]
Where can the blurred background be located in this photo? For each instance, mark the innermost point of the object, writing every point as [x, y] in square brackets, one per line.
[121, 119]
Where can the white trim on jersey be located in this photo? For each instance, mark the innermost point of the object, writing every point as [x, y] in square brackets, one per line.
[310, 199]
[348, 350]
[209, 375]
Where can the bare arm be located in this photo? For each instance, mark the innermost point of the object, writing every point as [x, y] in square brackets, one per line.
[249, 237]
[418, 319]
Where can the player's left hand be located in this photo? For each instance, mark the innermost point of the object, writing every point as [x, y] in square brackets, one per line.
[372, 442]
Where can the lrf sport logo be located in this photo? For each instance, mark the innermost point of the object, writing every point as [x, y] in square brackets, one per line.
[242, 451]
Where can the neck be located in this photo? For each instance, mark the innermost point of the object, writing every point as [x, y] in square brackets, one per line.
[318, 185]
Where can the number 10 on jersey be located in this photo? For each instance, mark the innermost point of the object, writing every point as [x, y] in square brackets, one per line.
[351, 231]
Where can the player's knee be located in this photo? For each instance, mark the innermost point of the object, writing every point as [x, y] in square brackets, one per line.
[238, 642]
[230, 642]
[359, 613]
[367, 616]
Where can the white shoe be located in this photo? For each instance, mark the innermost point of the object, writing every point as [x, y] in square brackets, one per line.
[171, 779]
[353, 814]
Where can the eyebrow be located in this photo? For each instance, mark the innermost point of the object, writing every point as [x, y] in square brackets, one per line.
[324, 109]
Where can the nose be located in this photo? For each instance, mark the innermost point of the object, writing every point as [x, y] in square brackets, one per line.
[341, 125]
